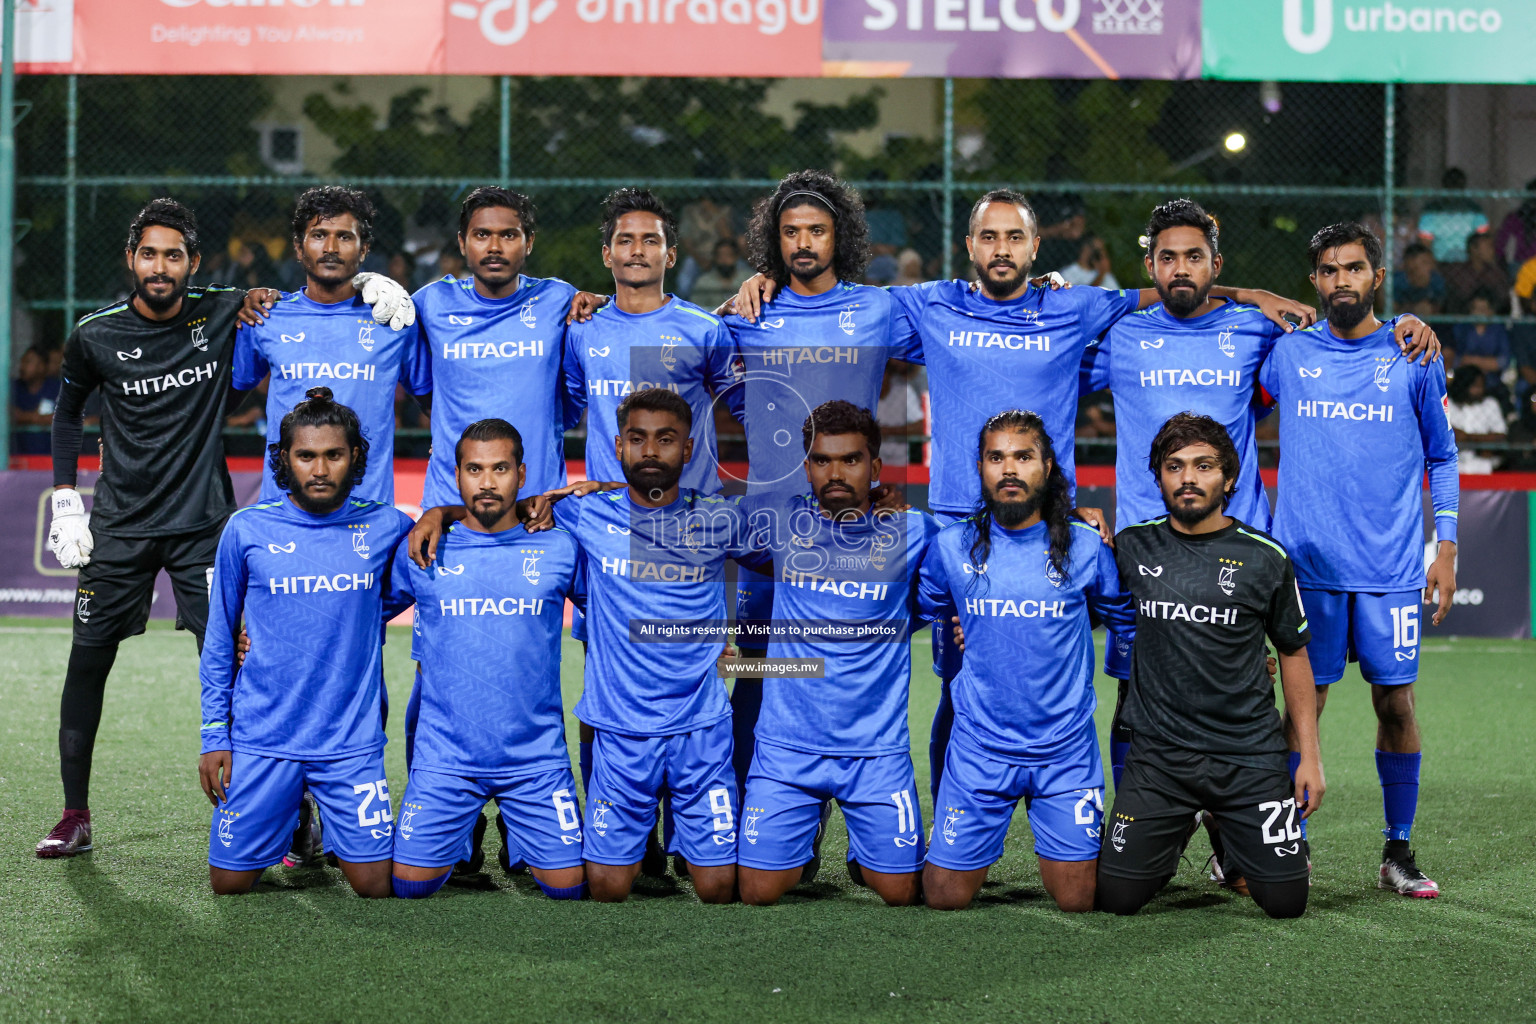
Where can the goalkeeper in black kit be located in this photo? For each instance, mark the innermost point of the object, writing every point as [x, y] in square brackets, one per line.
[1205, 733]
[162, 362]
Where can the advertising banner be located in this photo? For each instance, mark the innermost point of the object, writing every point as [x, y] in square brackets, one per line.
[1341, 41]
[770, 38]
[1013, 38]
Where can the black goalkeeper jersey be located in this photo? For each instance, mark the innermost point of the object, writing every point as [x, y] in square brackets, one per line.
[164, 388]
[1204, 605]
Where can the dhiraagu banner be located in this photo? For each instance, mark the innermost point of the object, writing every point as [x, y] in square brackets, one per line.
[1355, 41]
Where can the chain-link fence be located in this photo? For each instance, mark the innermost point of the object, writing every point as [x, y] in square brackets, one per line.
[1272, 161]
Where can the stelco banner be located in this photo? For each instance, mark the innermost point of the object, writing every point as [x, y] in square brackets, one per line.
[1013, 38]
[1338, 41]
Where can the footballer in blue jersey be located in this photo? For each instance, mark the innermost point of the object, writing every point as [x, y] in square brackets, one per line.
[845, 594]
[656, 619]
[822, 337]
[496, 342]
[646, 338]
[309, 574]
[1027, 582]
[1359, 427]
[494, 596]
[325, 334]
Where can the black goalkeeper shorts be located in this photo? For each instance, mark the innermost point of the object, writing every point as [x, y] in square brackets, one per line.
[115, 591]
[1162, 788]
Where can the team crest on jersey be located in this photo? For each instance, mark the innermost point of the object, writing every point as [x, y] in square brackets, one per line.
[1225, 344]
[199, 340]
[226, 829]
[845, 320]
[83, 606]
[749, 824]
[360, 540]
[669, 352]
[527, 315]
[877, 549]
[407, 823]
[365, 336]
[1117, 835]
[600, 817]
[531, 567]
[1382, 377]
[1052, 573]
[693, 540]
[1225, 578]
[951, 823]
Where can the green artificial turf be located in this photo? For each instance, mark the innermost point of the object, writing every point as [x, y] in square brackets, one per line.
[131, 932]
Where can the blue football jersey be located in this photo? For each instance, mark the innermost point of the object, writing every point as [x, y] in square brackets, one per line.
[846, 592]
[311, 590]
[802, 351]
[496, 357]
[984, 357]
[678, 347]
[1156, 366]
[1025, 688]
[1359, 424]
[650, 571]
[338, 345]
[489, 613]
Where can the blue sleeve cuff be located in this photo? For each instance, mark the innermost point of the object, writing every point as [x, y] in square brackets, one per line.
[1445, 527]
[216, 737]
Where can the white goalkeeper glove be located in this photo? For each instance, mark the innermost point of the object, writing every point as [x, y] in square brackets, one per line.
[69, 536]
[391, 303]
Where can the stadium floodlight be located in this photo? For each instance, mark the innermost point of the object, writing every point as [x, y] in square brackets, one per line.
[1235, 142]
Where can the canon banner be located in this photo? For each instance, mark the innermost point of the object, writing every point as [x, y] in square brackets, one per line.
[1013, 38]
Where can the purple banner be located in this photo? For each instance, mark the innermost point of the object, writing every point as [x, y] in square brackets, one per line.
[1012, 38]
[31, 580]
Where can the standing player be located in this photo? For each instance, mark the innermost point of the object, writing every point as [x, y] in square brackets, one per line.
[1192, 350]
[496, 341]
[162, 362]
[496, 597]
[302, 711]
[325, 334]
[823, 336]
[1024, 580]
[655, 558]
[843, 735]
[1359, 426]
[1201, 704]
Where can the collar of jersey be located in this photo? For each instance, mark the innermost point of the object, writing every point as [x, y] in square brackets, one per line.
[1324, 333]
[978, 302]
[646, 510]
[352, 507]
[463, 534]
[612, 309]
[301, 298]
[837, 295]
[525, 284]
[1194, 323]
[1202, 538]
[1028, 533]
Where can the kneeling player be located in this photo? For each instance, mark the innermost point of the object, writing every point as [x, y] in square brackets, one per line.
[1201, 706]
[491, 726]
[1023, 579]
[842, 736]
[309, 573]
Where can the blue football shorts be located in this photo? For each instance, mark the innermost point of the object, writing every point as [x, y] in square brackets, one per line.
[437, 818]
[1380, 631]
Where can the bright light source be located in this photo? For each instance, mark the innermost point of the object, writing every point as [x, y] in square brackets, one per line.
[1236, 142]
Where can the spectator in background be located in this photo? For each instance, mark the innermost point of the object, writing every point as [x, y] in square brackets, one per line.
[700, 225]
[1482, 347]
[402, 270]
[881, 271]
[1477, 418]
[909, 268]
[1525, 286]
[253, 265]
[1482, 272]
[1418, 287]
[724, 276]
[1516, 241]
[450, 262]
[900, 415]
[1092, 265]
[33, 395]
[1446, 221]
